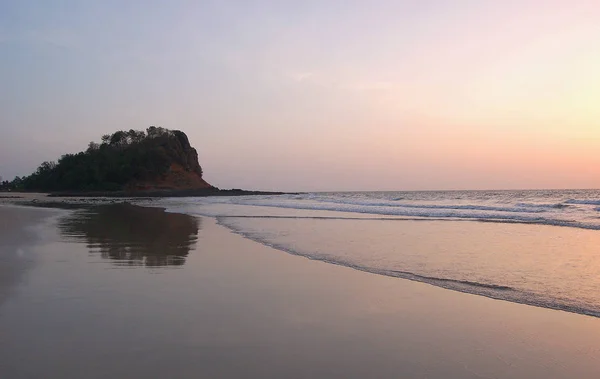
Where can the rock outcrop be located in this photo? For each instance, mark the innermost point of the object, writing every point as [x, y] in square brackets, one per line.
[156, 159]
[184, 170]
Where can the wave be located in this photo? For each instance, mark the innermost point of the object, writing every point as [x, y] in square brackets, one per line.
[543, 206]
[549, 213]
[442, 212]
[559, 223]
[460, 282]
[491, 290]
[583, 202]
[394, 204]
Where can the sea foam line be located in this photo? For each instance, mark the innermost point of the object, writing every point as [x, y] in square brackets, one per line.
[429, 213]
[527, 208]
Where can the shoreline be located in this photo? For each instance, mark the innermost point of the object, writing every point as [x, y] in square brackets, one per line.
[149, 193]
[91, 203]
[491, 291]
[258, 312]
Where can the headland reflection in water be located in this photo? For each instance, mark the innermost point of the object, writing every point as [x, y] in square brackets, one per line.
[131, 235]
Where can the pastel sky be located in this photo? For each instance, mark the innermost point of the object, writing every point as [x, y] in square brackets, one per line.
[314, 95]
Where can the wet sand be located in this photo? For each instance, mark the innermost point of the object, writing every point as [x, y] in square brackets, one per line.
[17, 236]
[88, 305]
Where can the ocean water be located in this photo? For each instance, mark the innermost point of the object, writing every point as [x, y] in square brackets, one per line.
[540, 248]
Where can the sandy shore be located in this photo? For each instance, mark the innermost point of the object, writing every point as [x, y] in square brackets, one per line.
[17, 236]
[236, 308]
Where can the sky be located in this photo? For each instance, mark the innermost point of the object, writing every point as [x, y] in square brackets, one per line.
[314, 95]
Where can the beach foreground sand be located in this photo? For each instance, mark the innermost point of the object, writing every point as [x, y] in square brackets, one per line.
[17, 236]
[87, 304]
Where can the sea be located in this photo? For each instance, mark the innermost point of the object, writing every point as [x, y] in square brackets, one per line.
[536, 247]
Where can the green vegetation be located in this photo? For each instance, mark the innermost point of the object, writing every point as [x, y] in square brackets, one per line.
[120, 158]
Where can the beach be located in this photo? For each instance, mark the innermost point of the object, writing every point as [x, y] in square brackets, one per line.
[308, 189]
[192, 299]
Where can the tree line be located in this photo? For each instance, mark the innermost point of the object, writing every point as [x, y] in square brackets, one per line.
[118, 159]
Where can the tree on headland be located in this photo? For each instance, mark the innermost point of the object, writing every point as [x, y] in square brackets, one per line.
[14, 185]
[120, 158]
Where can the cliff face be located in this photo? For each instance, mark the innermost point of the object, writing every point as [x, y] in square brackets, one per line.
[182, 152]
[184, 171]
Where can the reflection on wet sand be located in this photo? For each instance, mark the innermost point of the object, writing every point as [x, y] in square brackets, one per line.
[130, 235]
[16, 239]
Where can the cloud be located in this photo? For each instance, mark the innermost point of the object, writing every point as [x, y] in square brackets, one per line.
[302, 76]
[369, 86]
[344, 84]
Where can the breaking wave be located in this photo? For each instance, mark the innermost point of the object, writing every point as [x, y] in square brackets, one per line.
[553, 214]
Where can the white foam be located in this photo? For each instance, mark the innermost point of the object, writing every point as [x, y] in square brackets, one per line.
[557, 213]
